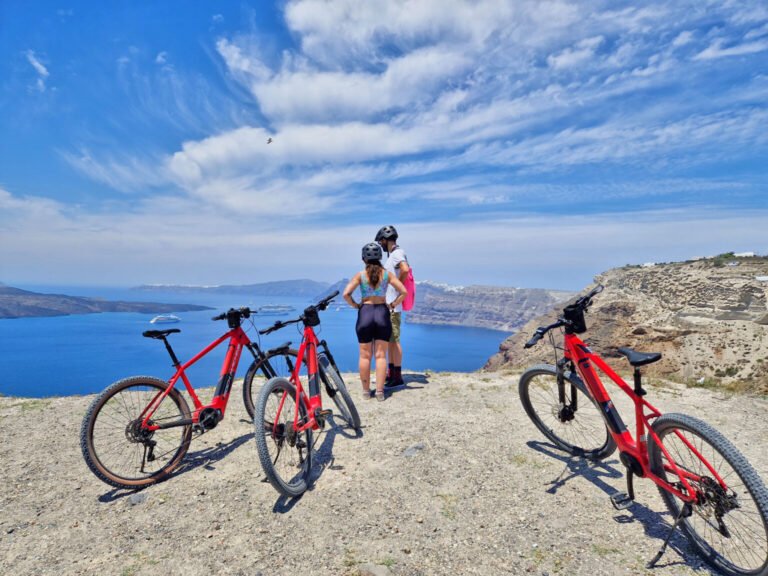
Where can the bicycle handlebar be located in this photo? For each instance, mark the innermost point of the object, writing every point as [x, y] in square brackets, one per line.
[542, 330]
[321, 305]
[277, 325]
[234, 316]
[582, 303]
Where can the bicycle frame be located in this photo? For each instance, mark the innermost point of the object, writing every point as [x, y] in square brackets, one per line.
[587, 363]
[313, 403]
[238, 339]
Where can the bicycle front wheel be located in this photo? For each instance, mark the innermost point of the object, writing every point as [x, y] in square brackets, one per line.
[276, 363]
[574, 425]
[337, 390]
[728, 526]
[115, 446]
[284, 453]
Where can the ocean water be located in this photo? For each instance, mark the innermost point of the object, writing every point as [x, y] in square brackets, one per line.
[83, 354]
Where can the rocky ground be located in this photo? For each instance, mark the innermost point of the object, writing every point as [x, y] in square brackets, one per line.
[448, 477]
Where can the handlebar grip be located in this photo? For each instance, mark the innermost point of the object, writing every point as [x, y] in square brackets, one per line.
[219, 317]
[532, 342]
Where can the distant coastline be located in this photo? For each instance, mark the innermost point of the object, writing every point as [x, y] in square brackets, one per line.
[18, 303]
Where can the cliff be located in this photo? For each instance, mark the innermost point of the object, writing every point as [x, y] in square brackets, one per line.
[496, 307]
[709, 319]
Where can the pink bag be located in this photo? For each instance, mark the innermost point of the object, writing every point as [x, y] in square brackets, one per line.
[410, 286]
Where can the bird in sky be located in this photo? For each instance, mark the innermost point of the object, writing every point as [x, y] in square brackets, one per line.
[269, 140]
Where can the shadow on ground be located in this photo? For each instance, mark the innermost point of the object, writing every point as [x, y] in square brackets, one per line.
[656, 525]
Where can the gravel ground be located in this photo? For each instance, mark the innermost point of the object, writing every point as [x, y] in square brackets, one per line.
[448, 477]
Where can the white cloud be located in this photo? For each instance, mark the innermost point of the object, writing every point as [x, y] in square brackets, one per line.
[439, 108]
[42, 71]
[47, 242]
[161, 58]
[717, 50]
[583, 51]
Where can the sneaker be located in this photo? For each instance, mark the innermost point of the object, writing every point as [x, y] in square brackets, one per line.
[394, 384]
[367, 394]
[380, 396]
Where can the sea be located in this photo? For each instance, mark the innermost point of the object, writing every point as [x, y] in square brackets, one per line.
[84, 353]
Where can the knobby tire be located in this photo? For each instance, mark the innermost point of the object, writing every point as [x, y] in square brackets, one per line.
[113, 445]
[585, 434]
[743, 549]
[259, 374]
[285, 456]
[337, 390]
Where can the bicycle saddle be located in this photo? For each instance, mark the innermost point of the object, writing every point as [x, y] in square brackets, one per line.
[158, 334]
[639, 358]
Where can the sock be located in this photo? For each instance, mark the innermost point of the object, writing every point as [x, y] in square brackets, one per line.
[390, 371]
[398, 375]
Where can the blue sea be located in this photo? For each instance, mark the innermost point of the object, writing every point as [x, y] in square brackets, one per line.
[84, 353]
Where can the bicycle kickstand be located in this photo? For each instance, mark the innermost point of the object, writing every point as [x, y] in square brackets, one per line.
[685, 511]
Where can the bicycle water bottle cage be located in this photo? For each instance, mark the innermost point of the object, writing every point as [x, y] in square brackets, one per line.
[575, 316]
[311, 317]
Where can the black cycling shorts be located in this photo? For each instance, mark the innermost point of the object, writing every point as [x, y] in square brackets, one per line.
[373, 323]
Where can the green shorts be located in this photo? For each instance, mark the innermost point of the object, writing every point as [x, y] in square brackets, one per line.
[395, 327]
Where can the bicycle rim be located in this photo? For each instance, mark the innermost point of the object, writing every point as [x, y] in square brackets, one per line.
[728, 528]
[575, 427]
[114, 446]
[285, 455]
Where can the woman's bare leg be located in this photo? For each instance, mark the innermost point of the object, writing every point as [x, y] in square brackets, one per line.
[381, 364]
[365, 366]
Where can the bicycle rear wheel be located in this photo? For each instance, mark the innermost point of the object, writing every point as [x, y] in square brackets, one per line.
[275, 364]
[337, 390]
[575, 426]
[115, 446]
[728, 528]
[284, 453]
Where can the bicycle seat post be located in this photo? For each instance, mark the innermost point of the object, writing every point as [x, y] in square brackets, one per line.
[639, 390]
[174, 359]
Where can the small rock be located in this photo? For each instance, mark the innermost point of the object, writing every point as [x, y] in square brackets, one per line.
[137, 498]
[373, 570]
[411, 451]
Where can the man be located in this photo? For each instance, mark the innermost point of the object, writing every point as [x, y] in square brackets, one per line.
[396, 265]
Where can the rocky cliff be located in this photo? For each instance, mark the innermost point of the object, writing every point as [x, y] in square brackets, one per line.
[709, 318]
[499, 308]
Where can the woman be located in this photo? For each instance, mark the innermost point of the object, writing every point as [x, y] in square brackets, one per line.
[373, 321]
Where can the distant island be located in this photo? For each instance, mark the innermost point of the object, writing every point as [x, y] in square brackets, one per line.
[300, 288]
[17, 303]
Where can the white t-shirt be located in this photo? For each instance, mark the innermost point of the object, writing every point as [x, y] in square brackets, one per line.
[393, 267]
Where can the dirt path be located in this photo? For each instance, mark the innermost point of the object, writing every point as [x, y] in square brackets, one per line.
[448, 477]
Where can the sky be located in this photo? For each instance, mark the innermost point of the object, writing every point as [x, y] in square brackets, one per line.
[517, 143]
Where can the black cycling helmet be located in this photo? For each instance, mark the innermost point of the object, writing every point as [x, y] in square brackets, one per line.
[386, 233]
[372, 251]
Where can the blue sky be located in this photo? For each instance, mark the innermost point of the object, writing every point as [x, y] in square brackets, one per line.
[524, 143]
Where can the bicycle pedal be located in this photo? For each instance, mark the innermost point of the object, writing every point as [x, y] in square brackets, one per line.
[621, 501]
[323, 413]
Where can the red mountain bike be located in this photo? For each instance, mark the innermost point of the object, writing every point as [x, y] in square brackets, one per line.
[710, 489]
[287, 412]
[137, 431]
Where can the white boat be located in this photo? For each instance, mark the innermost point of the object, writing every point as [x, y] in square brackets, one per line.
[165, 319]
[275, 309]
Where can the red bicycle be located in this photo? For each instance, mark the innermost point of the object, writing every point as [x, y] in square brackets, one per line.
[138, 430]
[287, 413]
[710, 489]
